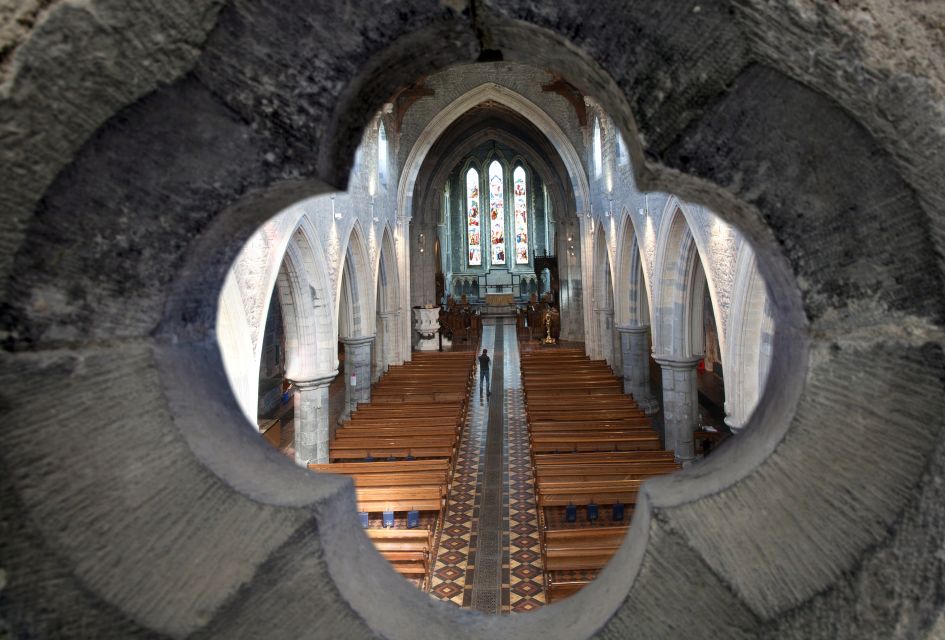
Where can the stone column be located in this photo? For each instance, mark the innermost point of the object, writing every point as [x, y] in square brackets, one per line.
[311, 419]
[358, 362]
[635, 353]
[384, 341]
[605, 330]
[396, 323]
[680, 404]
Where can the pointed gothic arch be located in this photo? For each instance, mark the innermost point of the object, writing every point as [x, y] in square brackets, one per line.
[294, 265]
[490, 91]
[355, 287]
[750, 335]
[632, 309]
[678, 263]
[389, 314]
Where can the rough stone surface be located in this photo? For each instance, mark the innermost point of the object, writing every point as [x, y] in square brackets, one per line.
[142, 505]
[82, 62]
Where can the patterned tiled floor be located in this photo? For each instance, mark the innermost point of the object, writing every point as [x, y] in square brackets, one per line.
[449, 580]
[454, 566]
[526, 588]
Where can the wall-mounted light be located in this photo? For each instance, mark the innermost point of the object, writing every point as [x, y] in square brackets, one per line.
[610, 209]
[373, 211]
[421, 241]
[335, 214]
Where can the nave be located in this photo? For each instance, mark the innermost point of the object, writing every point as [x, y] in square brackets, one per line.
[445, 473]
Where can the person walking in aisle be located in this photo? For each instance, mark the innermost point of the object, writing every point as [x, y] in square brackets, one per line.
[484, 362]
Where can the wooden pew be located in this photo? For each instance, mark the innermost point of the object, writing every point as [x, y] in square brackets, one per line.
[625, 471]
[583, 413]
[575, 442]
[380, 499]
[592, 425]
[563, 493]
[418, 410]
[581, 551]
[407, 550]
[382, 467]
[361, 451]
[590, 444]
[603, 457]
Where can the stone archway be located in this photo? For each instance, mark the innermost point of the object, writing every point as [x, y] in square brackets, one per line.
[281, 256]
[389, 310]
[678, 342]
[356, 318]
[751, 333]
[632, 318]
[760, 119]
[509, 118]
[507, 98]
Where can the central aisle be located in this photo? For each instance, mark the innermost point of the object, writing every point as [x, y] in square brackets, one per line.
[488, 555]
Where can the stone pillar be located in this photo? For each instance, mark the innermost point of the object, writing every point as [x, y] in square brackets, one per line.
[605, 331]
[395, 345]
[357, 362]
[680, 404]
[635, 353]
[384, 343]
[382, 335]
[311, 419]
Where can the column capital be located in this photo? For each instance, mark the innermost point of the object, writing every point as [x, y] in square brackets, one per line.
[357, 341]
[678, 362]
[635, 329]
[314, 383]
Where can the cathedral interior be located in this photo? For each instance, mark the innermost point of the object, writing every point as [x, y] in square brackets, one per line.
[473, 319]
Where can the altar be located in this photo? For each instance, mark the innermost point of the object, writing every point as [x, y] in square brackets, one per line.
[499, 299]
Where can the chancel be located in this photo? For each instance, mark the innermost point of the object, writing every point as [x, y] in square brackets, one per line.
[364, 320]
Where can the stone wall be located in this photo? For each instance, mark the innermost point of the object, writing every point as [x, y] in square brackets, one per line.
[147, 144]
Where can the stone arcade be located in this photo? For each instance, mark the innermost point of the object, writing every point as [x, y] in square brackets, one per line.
[210, 204]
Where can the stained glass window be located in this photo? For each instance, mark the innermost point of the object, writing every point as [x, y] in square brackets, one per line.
[473, 218]
[497, 212]
[520, 200]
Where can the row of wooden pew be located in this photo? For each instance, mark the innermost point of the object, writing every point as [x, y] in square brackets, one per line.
[400, 449]
[592, 448]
